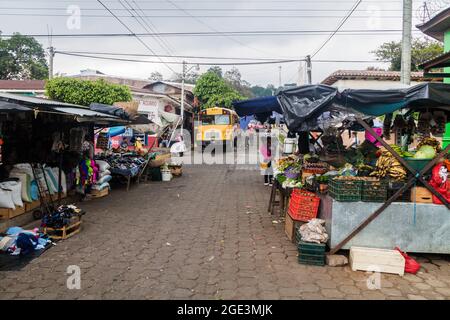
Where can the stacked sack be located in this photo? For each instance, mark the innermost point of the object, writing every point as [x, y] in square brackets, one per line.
[314, 231]
[104, 176]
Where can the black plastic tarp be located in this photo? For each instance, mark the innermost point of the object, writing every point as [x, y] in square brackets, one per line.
[305, 106]
[111, 110]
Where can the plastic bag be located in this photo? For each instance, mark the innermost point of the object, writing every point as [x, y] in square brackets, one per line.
[411, 265]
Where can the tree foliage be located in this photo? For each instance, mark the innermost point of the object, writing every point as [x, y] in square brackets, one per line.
[22, 58]
[213, 91]
[234, 78]
[259, 91]
[421, 51]
[217, 70]
[155, 76]
[85, 92]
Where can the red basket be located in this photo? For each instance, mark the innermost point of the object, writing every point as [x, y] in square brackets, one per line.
[304, 205]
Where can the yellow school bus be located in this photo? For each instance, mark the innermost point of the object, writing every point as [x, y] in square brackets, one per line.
[218, 126]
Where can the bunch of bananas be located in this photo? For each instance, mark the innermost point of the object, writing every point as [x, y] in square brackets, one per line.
[388, 165]
[428, 141]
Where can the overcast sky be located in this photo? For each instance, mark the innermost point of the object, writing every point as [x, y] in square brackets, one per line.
[36, 17]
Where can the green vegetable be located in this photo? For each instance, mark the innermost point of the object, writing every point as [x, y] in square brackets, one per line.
[425, 152]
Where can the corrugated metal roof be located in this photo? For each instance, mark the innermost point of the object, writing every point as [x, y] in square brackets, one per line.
[36, 101]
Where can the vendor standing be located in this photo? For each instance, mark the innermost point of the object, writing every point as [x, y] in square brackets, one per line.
[266, 163]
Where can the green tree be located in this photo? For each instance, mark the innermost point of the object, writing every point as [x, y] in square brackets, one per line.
[85, 92]
[259, 91]
[22, 58]
[155, 76]
[212, 91]
[234, 78]
[421, 51]
[217, 70]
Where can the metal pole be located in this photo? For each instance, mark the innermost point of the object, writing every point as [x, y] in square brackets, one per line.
[182, 95]
[279, 76]
[309, 69]
[406, 42]
[51, 54]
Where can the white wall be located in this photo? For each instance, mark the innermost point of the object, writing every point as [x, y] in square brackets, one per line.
[370, 84]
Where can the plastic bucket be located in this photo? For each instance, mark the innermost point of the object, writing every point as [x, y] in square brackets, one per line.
[166, 175]
[288, 146]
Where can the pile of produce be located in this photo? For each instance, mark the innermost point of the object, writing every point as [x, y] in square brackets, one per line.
[400, 151]
[388, 165]
[284, 163]
[428, 141]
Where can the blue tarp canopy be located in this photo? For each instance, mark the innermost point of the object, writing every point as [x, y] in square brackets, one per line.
[263, 105]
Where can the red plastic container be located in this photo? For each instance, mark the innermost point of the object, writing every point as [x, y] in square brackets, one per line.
[304, 205]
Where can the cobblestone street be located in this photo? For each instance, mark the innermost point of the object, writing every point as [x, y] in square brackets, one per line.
[206, 235]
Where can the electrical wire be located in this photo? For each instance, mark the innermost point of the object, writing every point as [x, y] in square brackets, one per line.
[134, 35]
[214, 63]
[234, 33]
[143, 24]
[338, 28]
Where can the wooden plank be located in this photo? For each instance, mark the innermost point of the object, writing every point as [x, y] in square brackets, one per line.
[289, 227]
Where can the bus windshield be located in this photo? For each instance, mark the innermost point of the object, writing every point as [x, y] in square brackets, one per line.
[222, 119]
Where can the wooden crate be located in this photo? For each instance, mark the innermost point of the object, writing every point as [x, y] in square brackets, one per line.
[290, 227]
[65, 232]
[11, 213]
[421, 195]
[30, 206]
[99, 193]
[377, 260]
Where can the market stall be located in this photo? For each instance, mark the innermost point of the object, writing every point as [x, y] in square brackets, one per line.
[378, 193]
[44, 146]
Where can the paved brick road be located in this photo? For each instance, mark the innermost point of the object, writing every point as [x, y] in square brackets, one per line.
[206, 235]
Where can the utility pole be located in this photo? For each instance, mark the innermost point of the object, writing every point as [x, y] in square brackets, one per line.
[51, 54]
[406, 43]
[279, 76]
[309, 69]
[183, 76]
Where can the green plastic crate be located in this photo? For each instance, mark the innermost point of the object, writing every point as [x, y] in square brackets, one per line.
[310, 259]
[310, 248]
[374, 191]
[345, 191]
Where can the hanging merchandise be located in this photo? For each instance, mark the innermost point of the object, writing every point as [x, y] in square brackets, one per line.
[439, 181]
[58, 145]
[76, 139]
[438, 123]
[102, 141]
[387, 125]
[423, 125]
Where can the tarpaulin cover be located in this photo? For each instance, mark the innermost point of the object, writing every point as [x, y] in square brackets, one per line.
[264, 105]
[304, 106]
[111, 110]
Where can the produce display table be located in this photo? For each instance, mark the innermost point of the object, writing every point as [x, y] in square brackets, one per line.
[283, 201]
[423, 228]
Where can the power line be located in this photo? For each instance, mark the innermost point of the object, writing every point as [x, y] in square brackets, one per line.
[144, 24]
[198, 16]
[338, 28]
[153, 28]
[203, 9]
[281, 61]
[221, 33]
[133, 34]
[208, 57]
[172, 56]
